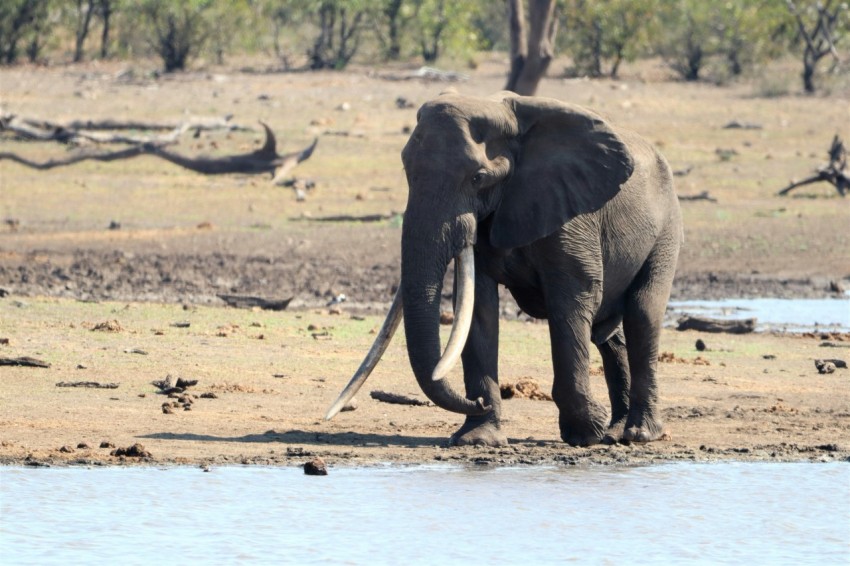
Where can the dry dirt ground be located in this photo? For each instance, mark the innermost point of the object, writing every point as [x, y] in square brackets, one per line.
[179, 239]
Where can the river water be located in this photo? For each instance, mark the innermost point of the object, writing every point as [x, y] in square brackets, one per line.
[789, 315]
[757, 513]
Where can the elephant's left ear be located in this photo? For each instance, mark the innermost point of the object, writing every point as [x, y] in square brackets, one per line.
[570, 162]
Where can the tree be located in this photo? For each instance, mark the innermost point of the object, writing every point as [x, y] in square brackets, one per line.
[340, 25]
[84, 10]
[688, 36]
[821, 25]
[749, 31]
[22, 20]
[610, 31]
[389, 27]
[531, 52]
[105, 10]
[179, 29]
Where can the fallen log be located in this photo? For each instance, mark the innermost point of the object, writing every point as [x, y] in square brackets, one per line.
[264, 160]
[24, 361]
[348, 218]
[82, 131]
[701, 196]
[834, 172]
[396, 399]
[88, 384]
[741, 326]
[249, 302]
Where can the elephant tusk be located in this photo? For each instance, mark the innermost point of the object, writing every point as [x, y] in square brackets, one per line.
[465, 277]
[372, 358]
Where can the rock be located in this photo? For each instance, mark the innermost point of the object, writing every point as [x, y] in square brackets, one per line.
[166, 408]
[350, 406]
[829, 366]
[316, 467]
[700, 345]
[108, 326]
[134, 451]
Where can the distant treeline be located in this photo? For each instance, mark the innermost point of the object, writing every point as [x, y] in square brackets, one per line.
[729, 37]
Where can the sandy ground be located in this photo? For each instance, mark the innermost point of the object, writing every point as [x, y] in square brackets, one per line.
[180, 239]
[273, 376]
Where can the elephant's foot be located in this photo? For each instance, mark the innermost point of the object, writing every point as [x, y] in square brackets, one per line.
[643, 426]
[478, 431]
[615, 431]
[583, 428]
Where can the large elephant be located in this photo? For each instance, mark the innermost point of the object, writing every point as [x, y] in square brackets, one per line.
[578, 219]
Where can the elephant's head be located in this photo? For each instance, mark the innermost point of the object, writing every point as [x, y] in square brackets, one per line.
[530, 164]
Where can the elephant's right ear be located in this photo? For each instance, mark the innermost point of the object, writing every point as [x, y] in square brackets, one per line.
[570, 162]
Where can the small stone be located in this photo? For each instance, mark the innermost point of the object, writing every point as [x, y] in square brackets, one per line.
[66, 449]
[700, 345]
[316, 467]
[167, 409]
[106, 444]
[83, 446]
[350, 406]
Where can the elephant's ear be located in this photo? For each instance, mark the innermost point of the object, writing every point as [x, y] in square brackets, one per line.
[569, 162]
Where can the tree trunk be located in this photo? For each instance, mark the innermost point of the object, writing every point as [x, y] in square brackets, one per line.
[105, 14]
[530, 59]
[393, 11]
[809, 62]
[82, 27]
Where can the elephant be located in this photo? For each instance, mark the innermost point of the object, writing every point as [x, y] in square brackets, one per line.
[581, 223]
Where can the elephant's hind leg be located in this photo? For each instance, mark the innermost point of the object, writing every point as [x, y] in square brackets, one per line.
[645, 306]
[481, 368]
[615, 362]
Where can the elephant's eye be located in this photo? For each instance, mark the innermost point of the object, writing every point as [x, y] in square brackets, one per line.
[477, 178]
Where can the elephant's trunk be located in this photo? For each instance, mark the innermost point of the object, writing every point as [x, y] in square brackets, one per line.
[421, 285]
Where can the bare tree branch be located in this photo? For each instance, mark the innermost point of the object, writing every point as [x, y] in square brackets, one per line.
[834, 172]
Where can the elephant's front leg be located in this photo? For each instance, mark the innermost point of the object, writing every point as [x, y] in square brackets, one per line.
[582, 420]
[481, 367]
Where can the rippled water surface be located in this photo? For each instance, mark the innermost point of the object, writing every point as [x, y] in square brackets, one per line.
[711, 513]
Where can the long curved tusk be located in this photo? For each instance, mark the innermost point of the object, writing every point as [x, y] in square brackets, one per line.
[372, 358]
[465, 277]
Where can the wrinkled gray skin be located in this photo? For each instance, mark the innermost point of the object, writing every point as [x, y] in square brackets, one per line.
[578, 219]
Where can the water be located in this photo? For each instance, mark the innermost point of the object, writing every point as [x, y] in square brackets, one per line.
[791, 315]
[759, 513]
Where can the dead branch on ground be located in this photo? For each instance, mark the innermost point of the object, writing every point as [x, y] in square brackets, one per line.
[834, 172]
[397, 399]
[24, 361]
[79, 132]
[264, 160]
[743, 326]
[249, 302]
[701, 196]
